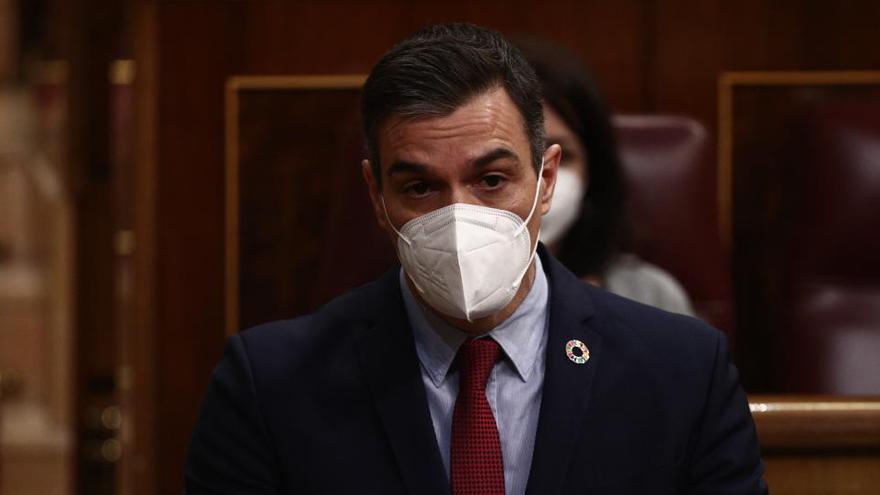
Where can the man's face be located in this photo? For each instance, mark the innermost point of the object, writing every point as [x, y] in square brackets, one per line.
[477, 155]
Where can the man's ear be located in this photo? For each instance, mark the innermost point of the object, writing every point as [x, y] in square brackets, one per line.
[552, 157]
[375, 193]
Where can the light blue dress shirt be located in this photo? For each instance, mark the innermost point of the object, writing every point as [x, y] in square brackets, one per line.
[514, 386]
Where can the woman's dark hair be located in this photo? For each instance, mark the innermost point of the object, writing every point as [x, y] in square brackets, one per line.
[570, 90]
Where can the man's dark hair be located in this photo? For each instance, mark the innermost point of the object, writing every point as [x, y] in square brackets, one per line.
[440, 68]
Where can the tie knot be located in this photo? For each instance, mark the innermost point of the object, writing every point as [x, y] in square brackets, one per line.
[476, 357]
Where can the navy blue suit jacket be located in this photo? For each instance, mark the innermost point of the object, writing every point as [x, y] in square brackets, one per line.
[333, 402]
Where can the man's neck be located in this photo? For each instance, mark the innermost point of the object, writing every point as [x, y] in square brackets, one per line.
[483, 325]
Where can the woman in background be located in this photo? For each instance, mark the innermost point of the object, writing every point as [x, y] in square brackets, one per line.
[587, 227]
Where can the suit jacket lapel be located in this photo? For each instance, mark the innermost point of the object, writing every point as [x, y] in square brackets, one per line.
[391, 367]
[567, 385]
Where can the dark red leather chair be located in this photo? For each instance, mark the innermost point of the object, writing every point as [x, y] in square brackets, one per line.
[671, 176]
[828, 338]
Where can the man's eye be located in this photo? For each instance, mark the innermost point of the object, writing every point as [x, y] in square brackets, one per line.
[492, 181]
[417, 189]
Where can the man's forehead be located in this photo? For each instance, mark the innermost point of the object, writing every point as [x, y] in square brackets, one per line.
[488, 121]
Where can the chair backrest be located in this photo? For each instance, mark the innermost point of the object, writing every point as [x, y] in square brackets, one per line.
[671, 178]
[828, 339]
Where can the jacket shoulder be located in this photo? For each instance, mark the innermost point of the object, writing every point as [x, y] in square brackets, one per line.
[650, 322]
[280, 345]
[658, 339]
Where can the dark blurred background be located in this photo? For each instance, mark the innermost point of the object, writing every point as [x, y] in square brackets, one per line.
[173, 171]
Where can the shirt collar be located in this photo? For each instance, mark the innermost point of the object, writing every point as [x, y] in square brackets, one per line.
[519, 336]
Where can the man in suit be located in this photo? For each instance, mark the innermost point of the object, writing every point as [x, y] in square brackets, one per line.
[478, 366]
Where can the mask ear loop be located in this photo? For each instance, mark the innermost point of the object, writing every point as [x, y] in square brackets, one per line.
[534, 202]
[401, 236]
[388, 219]
[523, 226]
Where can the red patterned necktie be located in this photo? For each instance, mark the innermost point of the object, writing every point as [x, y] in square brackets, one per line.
[477, 466]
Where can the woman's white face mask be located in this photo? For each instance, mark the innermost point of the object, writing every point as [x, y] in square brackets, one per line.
[467, 261]
[565, 209]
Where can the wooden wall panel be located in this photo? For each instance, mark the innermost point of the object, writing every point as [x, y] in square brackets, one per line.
[300, 224]
[193, 46]
[839, 36]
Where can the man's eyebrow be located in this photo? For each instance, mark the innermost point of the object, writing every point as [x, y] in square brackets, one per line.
[403, 166]
[496, 154]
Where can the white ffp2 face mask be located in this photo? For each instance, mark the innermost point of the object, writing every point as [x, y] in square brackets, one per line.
[467, 261]
[568, 196]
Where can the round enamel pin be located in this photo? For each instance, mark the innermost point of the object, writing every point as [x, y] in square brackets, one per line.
[577, 351]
